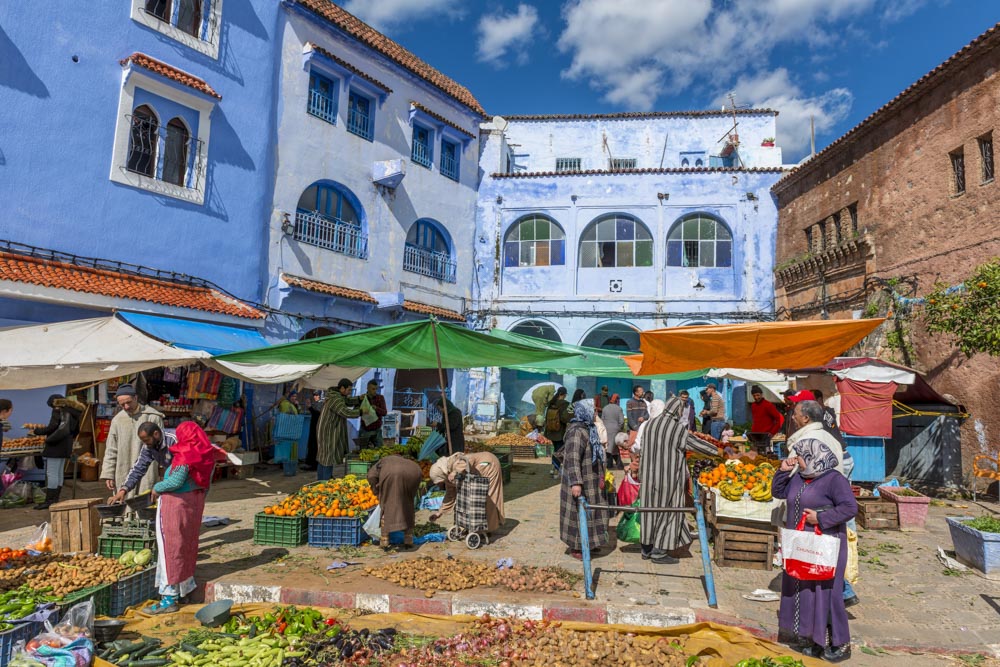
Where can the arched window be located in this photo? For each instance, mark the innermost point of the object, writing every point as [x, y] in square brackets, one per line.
[685, 163]
[142, 142]
[535, 241]
[428, 252]
[175, 152]
[537, 329]
[327, 216]
[159, 8]
[189, 17]
[699, 240]
[616, 240]
[617, 336]
[699, 163]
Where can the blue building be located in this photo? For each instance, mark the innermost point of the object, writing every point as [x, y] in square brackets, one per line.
[376, 182]
[594, 228]
[136, 159]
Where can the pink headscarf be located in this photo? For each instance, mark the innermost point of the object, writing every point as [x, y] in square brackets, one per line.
[194, 450]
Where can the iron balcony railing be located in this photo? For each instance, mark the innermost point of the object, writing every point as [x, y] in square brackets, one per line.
[183, 156]
[430, 263]
[331, 233]
[421, 154]
[323, 106]
[449, 166]
[358, 122]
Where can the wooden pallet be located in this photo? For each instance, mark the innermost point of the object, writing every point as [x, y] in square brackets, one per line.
[877, 514]
[744, 545]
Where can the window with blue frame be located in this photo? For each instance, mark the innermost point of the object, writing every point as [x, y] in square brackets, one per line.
[322, 98]
[449, 159]
[428, 252]
[535, 241]
[360, 116]
[421, 151]
[326, 217]
[699, 240]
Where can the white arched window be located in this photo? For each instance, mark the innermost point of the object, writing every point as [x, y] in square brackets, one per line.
[616, 240]
[535, 241]
[699, 240]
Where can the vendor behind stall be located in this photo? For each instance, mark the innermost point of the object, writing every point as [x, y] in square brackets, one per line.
[60, 434]
[455, 427]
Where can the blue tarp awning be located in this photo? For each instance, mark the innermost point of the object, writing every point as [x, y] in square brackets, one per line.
[190, 335]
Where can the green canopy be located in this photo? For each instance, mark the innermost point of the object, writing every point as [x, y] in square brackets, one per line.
[404, 346]
[584, 362]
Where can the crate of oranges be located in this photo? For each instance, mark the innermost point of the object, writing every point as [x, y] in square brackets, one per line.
[317, 506]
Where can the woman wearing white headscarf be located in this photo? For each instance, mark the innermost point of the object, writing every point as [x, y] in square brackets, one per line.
[656, 408]
[447, 468]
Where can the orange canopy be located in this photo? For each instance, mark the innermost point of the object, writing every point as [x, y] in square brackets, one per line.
[793, 344]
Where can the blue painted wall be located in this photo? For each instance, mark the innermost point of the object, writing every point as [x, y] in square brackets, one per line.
[60, 84]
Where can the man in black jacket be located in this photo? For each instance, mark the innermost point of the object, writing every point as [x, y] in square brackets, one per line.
[60, 434]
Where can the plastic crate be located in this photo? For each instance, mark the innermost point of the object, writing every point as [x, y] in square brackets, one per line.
[505, 473]
[505, 459]
[356, 467]
[282, 531]
[21, 632]
[100, 595]
[132, 590]
[131, 528]
[113, 547]
[335, 531]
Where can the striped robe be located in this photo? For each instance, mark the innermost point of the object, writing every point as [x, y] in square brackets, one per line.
[578, 468]
[663, 472]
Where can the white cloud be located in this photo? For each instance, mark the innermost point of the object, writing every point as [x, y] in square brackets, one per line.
[900, 9]
[776, 90]
[501, 34]
[387, 15]
[620, 45]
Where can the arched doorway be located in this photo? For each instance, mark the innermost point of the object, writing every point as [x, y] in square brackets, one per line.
[514, 384]
[619, 337]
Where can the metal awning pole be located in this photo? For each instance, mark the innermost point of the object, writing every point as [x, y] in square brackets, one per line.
[444, 399]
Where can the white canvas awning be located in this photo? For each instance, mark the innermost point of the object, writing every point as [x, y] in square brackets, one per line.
[772, 382]
[81, 351]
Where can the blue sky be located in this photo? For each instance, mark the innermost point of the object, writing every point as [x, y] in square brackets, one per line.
[834, 60]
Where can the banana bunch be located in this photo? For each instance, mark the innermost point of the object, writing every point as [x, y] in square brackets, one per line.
[761, 492]
[730, 490]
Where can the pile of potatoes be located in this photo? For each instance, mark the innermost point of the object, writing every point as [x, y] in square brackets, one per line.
[64, 573]
[559, 646]
[432, 575]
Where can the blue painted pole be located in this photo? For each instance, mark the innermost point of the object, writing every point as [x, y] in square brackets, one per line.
[588, 580]
[706, 560]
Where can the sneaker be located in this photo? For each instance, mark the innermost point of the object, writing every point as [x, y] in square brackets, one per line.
[851, 601]
[166, 605]
[664, 559]
[837, 654]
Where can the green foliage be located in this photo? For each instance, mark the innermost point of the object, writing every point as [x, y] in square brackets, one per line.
[970, 315]
[985, 523]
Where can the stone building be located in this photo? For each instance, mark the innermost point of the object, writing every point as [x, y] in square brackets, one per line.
[592, 228]
[906, 199]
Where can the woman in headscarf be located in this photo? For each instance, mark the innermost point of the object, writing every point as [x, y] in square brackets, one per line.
[812, 485]
[447, 468]
[656, 408]
[663, 471]
[455, 427]
[614, 421]
[395, 481]
[583, 466]
[178, 514]
[60, 434]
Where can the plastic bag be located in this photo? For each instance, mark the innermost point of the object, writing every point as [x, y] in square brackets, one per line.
[41, 539]
[8, 478]
[628, 526]
[373, 526]
[17, 494]
[78, 622]
[851, 573]
[809, 555]
[368, 416]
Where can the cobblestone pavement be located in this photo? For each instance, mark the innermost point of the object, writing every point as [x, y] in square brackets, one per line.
[910, 604]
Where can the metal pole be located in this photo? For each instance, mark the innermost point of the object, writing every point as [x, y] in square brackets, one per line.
[588, 577]
[706, 561]
[444, 399]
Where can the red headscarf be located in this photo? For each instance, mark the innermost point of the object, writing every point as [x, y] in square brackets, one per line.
[614, 398]
[194, 450]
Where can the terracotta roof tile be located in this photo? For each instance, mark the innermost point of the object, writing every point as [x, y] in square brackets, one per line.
[616, 172]
[88, 280]
[424, 309]
[437, 116]
[348, 66]
[367, 35]
[170, 72]
[625, 115]
[327, 288]
[986, 41]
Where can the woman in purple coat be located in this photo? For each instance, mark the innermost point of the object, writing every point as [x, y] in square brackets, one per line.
[811, 485]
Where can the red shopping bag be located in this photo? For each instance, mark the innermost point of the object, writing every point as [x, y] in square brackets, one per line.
[809, 556]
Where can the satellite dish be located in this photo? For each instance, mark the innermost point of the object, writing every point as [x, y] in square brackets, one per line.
[499, 123]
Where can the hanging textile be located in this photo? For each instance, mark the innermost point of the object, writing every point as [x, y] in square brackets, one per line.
[866, 407]
[228, 391]
[228, 421]
[203, 384]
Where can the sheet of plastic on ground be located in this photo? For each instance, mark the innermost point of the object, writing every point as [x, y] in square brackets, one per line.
[722, 645]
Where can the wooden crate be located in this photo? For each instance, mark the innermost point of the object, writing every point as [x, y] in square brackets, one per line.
[74, 525]
[740, 544]
[877, 514]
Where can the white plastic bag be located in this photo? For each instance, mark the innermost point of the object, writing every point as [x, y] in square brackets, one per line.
[809, 555]
[368, 416]
[373, 526]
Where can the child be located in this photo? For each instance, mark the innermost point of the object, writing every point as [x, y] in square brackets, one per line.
[628, 490]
